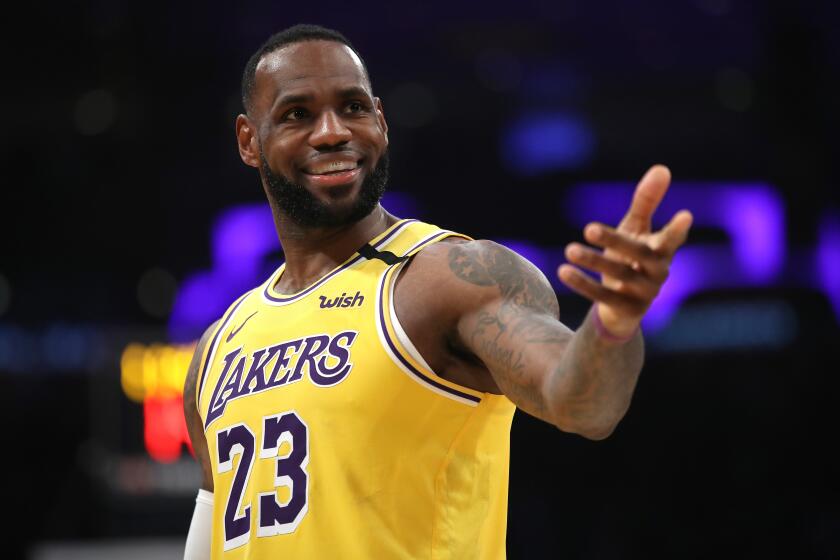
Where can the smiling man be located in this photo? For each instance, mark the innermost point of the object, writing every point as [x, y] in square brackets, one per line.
[357, 404]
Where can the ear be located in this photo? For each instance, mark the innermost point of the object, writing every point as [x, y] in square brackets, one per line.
[380, 117]
[246, 138]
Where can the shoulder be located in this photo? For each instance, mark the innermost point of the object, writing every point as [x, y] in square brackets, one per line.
[469, 273]
[195, 365]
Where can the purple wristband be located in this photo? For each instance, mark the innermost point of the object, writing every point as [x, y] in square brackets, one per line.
[606, 334]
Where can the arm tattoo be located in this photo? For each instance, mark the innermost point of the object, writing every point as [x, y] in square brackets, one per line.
[589, 386]
[526, 315]
[597, 377]
[522, 290]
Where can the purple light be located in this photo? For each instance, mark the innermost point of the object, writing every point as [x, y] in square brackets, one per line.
[690, 273]
[547, 259]
[533, 253]
[537, 143]
[751, 214]
[754, 218]
[828, 259]
[201, 299]
[241, 237]
[401, 204]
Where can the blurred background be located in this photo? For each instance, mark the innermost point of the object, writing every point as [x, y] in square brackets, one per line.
[129, 223]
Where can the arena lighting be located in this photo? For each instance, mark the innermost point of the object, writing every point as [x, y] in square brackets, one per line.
[402, 204]
[165, 428]
[751, 214]
[729, 325]
[690, 273]
[242, 236]
[154, 375]
[241, 239]
[540, 257]
[155, 371]
[540, 142]
[828, 258]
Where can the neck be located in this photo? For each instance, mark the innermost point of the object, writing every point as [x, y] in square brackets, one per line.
[312, 252]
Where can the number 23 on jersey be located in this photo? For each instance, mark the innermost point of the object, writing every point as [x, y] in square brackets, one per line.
[273, 517]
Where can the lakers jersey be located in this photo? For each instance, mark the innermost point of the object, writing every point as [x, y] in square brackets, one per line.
[330, 436]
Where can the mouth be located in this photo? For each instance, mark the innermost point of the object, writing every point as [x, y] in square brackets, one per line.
[333, 173]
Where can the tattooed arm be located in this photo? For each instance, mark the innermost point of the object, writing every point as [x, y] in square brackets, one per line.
[578, 381]
[500, 309]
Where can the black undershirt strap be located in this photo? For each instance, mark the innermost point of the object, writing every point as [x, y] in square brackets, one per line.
[368, 252]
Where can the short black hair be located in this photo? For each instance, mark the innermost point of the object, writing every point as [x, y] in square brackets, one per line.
[295, 34]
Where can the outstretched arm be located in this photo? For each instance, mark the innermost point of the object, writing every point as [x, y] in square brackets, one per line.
[506, 314]
[579, 381]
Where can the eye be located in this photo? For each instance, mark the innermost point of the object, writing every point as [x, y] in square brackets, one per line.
[295, 114]
[355, 107]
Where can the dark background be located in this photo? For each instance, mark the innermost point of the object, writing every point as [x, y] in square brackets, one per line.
[119, 155]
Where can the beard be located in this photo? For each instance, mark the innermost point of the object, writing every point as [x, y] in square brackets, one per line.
[307, 211]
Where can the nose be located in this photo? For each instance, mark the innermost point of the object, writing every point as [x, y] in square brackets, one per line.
[329, 131]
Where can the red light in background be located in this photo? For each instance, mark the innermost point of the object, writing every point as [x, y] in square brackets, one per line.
[165, 428]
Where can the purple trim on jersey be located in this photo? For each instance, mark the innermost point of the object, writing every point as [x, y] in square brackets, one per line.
[267, 291]
[428, 240]
[399, 355]
[213, 346]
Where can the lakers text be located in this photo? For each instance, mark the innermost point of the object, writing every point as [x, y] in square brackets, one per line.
[325, 358]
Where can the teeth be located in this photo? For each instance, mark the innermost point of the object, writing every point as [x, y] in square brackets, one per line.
[322, 168]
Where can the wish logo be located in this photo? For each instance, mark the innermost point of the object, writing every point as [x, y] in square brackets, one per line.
[342, 301]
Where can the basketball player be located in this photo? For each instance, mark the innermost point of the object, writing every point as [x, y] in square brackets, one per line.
[358, 403]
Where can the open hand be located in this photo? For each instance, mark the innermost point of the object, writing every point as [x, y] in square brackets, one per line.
[635, 262]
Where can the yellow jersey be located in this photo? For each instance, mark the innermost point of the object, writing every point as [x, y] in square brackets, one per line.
[329, 435]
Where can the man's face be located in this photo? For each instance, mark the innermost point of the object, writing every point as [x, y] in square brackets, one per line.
[321, 135]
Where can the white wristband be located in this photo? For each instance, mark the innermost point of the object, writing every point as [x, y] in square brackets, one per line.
[198, 538]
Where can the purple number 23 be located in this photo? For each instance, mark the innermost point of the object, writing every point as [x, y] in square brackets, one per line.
[290, 470]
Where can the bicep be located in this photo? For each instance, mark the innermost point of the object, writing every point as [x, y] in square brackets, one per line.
[509, 320]
[195, 426]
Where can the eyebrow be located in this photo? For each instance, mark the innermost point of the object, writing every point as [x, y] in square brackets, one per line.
[300, 98]
[353, 91]
[293, 98]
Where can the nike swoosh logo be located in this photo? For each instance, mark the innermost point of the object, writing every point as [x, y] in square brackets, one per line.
[235, 331]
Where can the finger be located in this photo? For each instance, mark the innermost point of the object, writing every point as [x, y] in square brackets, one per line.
[582, 284]
[629, 247]
[646, 198]
[596, 261]
[620, 276]
[674, 234]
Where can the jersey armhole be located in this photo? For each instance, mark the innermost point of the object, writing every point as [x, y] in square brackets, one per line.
[399, 346]
[401, 335]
